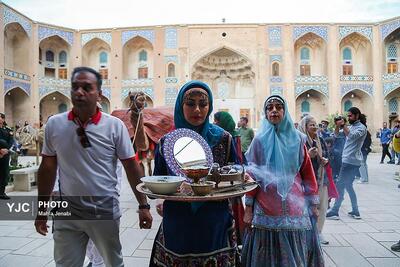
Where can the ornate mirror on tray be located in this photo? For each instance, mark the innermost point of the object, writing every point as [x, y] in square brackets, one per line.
[187, 154]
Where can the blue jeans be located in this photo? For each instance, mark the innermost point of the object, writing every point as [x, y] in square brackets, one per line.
[347, 175]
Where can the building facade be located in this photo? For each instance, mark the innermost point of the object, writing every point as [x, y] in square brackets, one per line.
[320, 69]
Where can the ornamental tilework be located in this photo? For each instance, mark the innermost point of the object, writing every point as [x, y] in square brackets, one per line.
[389, 27]
[276, 90]
[276, 79]
[106, 92]
[87, 37]
[11, 84]
[274, 36]
[170, 96]
[171, 38]
[146, 34]
[347, 30]
[168, 59]
[171, 80]
[148, 91]
[10, 16]
[391, 76]
[46, 90]
[17, 75]
[301, 88]
[388, 87]
[365, 87]
[137, 82]
[45, 32]
[311, 79]
[273, 58]
[321, 31]
[358, 78]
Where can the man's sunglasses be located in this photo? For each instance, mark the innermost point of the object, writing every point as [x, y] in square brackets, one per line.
[83, 138]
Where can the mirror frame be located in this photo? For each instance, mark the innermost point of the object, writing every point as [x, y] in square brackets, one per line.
[168, 148]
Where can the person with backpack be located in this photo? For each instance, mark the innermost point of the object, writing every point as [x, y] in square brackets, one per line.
[365, 150]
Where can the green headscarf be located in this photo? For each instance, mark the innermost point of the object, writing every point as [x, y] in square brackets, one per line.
[226, 122]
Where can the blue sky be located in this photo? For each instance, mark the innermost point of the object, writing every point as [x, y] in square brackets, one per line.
[86, 14]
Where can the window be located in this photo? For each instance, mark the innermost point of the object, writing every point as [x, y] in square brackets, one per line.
[305, 54]
[347, 62]
[62, 108]
[49, 72]
[305, 68]
[347, 105]
[62, 57]
[275, 69]
[305, 107]
[393, 105]
[347, 69]
[104, 73]
[62, 74]
[142, 73]
[143, 56]
[392, 68]
[103, 58]
[49, 56]
[391, 58]
[171, 70]
[346, 54]
[40, 56]
[392, 52]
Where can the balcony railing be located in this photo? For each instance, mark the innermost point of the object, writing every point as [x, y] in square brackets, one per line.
[17, 75]
[356, 78]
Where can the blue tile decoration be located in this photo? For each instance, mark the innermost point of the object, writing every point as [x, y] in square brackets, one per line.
[389, 87]
[275, 36]
[138, 82]
[277, 90]
[275, 58]
[147, 90]
[311, 79]
[45, 32]
[171, 38]
[391, 76]
[106, 92]
[276, 79]
[87, 37]
[357, 78]
[9, 16]
[348, 87]
[50, 85]
[45, 91]
[11, 84]
[17, 75]
[170, 96]
[389, 27]
[363, 30]
[171, 80]
[146, 34]
[321, 31]
[168, 59]
[301, 88]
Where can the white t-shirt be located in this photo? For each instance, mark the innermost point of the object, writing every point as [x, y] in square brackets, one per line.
[88, 171]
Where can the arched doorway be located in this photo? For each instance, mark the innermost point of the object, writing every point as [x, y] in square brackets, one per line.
[391, 52]
[391, 105]
[310, 52]
[17, 107]
[52, 104]
[105, 104]
[231, 77]
[355, 55]
[54, 58]
[96, 54]
[137, 59]
[361, 100]
[311, 103]
[16, 48]
[149, 102]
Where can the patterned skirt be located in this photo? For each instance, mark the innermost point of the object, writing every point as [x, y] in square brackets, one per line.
[270, 247]
[196, 235]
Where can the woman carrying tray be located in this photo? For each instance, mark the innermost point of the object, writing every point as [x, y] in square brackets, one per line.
[282, 233]
[196, 233]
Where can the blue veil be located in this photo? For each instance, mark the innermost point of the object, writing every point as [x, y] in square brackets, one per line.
[276, 153]
[210, 132]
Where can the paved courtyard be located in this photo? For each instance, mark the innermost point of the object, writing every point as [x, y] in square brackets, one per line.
[364, 242]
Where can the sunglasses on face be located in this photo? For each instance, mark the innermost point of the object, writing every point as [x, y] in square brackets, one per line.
[83, 138]
[271, 107]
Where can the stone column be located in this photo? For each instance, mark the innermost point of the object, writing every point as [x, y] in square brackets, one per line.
[159, 67]
[333, 68]
[34, 73]
[378, 98]
[2, 98]
[116, 70]
[289, 69]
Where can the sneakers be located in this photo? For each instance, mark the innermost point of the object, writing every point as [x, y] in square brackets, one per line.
[331, 215]
[322, 240]
[396, 247]
[355, 215]
[390, 162]
[381, 162]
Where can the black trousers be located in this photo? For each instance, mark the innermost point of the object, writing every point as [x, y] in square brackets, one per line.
[4, 173]
[385, 151]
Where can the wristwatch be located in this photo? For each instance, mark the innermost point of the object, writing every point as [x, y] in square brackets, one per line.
[144, 207]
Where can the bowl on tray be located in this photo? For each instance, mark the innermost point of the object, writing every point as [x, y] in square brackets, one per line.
[203, 188]
[164, 185]
[196, 172]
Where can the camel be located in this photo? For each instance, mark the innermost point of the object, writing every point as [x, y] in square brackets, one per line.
[146, 126]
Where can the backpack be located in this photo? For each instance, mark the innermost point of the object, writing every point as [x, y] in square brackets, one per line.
[366, 147]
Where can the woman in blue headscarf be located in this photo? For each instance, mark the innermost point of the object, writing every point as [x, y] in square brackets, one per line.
[196, 234]
[279, 211]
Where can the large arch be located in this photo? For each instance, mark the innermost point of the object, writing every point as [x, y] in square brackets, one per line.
[16, 48]
[318, 57]
[149, 102]
[360, 49]
[231, 76]
[361, 100]
[132, 60]
[52, 104]
[96, 54]
[391, 107]
[391, 52]
[17, 106]
[105, 104]
[317, 105]
[59, 67]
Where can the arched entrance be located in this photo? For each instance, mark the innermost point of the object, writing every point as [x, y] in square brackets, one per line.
[361, 100]
[311, 103]
[355, 55]
[149, 102]
[391, 105]
[16, 48]
[17, 107]
[232, 80]
[137, 59]
[52, 104]
[54, 58]
[105, 104]
[310, 52]
[96, 54]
